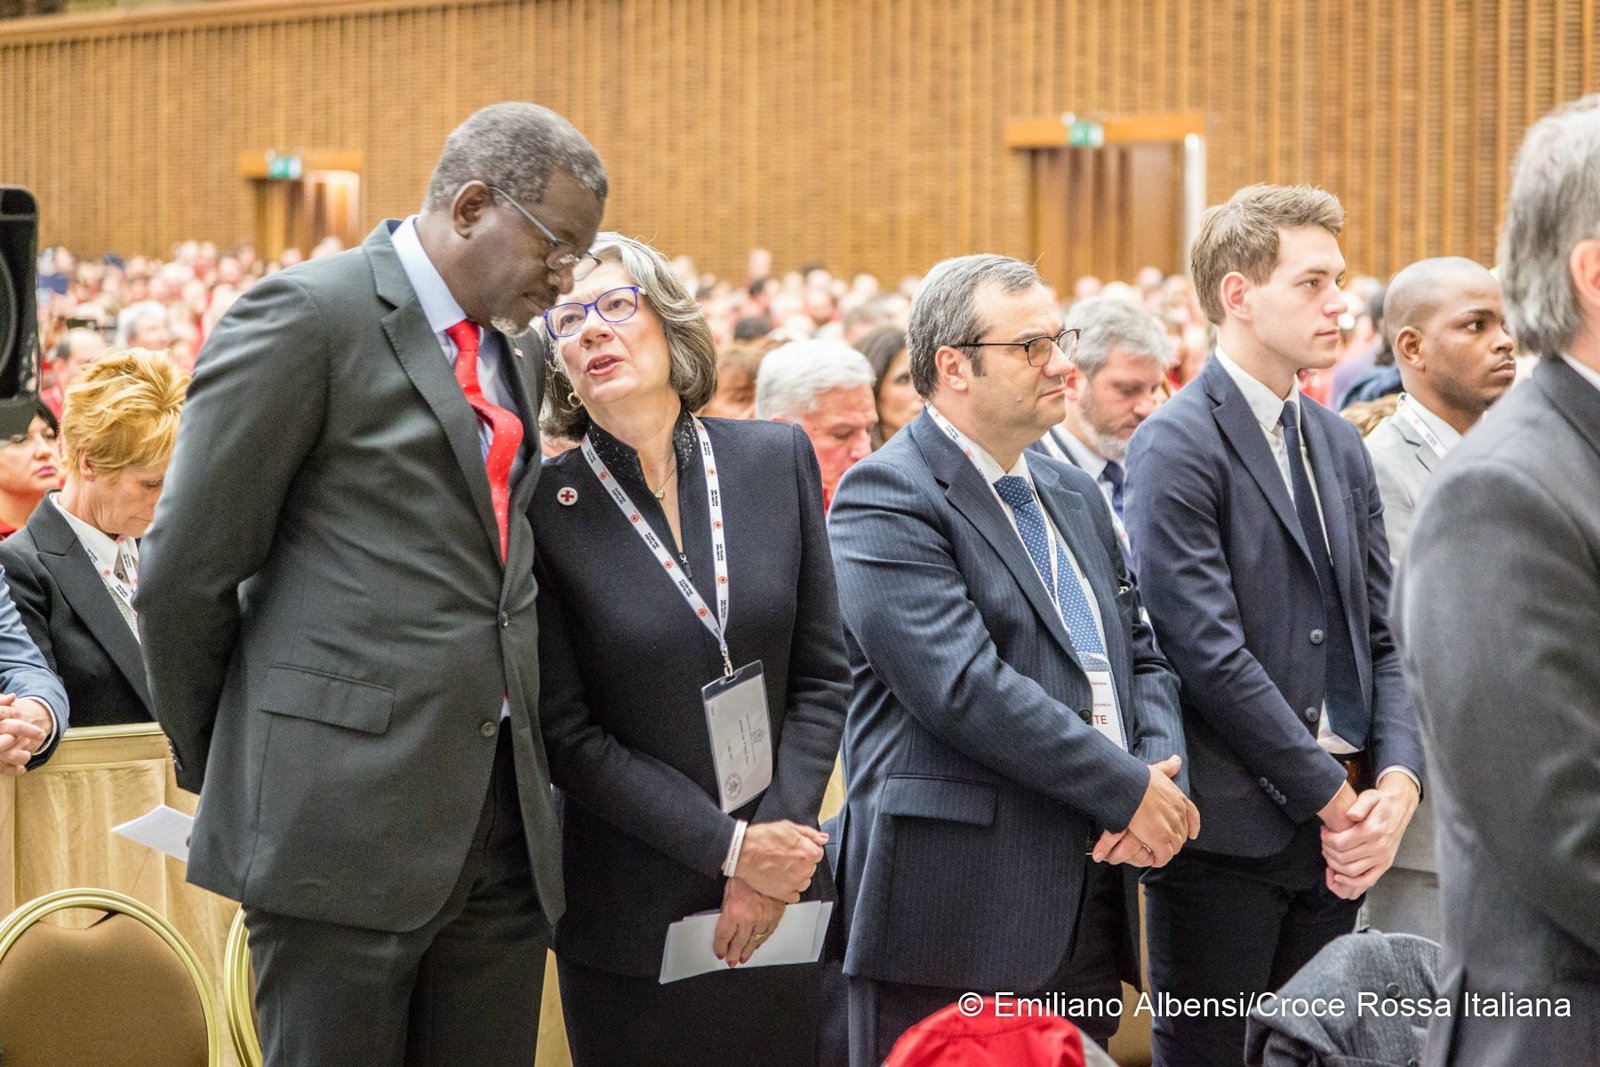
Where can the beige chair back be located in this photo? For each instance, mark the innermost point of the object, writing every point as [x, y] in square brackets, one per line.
[127, 991]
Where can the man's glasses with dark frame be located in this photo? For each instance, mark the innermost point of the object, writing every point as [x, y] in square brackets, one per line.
[1036, 349]
[582, 264]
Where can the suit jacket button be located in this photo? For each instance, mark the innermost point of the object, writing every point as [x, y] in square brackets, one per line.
[488, 728]
[1263, 783]
[1083, 713]
[1392, 989]
[505, 616]
[1312, 714]
[1316, 636]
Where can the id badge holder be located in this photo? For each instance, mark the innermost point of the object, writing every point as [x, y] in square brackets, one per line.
[740, 729]
[1106, 717]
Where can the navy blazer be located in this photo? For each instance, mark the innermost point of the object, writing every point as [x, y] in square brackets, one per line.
[976, 783]
[1230, 588]
[622, 661]
[74, 620]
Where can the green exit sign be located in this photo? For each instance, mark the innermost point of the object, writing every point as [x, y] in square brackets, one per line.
[1084, 134]
[286, 168]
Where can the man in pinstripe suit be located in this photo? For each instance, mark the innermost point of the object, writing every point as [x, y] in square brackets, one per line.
[1013, 749]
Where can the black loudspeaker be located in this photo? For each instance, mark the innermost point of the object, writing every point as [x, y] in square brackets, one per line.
[19, 317]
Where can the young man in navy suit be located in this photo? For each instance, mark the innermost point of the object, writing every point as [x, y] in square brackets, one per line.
[1259, 544]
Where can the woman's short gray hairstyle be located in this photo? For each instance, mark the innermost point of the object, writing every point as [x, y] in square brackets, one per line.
[515, 147]
[691, 353]
[1107, 322]
[945, 310]
[1554, 204]
[794, 375]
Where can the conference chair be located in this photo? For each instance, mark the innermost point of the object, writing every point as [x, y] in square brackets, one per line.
[239, 994]
[127, 991]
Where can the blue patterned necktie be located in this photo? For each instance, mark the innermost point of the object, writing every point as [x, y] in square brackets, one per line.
[1066, 591]
[1118, 478]
[1341, 689]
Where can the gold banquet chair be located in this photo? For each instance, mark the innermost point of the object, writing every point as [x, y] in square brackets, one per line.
[127, 991]
[239, 994]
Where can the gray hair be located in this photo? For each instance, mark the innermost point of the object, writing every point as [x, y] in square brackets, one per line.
[794, 375]
[515, 147]
[691, 354]
[1110, 322]
[1554, 204]
[945, 310]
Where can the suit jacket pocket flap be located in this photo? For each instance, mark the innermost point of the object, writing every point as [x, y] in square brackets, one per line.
[939, 798]
[326, 698]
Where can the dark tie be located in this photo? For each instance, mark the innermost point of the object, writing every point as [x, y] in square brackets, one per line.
[1347, 707]
[505, 428]
[1118, 478]
[1061, 580]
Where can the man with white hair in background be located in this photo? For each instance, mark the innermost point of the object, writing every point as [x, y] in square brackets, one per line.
[1113, 383]
[825, 388]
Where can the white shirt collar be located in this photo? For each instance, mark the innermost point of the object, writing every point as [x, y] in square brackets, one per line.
[438, 304]
[1448, 435]
[1087, 459]
[987, 465]
[1265, 405]
[101, 546]
[1591, 375]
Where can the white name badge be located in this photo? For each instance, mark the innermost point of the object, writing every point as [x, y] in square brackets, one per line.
[1106, 717]
[741, 734]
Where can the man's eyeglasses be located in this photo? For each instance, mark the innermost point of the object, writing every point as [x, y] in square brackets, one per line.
[1037, 349]
[562, 255]
[613, 305]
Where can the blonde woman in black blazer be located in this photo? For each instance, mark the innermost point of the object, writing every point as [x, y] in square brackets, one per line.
[624, 657]
[119, 424]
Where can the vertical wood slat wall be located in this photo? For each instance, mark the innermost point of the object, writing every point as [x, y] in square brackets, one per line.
[865, 134]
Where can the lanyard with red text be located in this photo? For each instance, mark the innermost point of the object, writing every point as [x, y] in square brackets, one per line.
[1407, 409]
[716, 624]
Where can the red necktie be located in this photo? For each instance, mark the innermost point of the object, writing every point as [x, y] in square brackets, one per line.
[505, 428]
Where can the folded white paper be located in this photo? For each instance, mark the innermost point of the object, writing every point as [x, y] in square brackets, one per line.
[163, 829]
[797, 939]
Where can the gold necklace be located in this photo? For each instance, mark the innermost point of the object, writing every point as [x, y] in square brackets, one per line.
[661, 494]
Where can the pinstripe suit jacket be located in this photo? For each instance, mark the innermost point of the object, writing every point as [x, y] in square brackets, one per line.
[976, 783]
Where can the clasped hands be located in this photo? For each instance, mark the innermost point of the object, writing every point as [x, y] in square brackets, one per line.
[776, 863]
[1361, 832]
[1164, 820]
[25, 725]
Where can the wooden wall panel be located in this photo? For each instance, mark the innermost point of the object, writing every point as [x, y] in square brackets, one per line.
[865, 134]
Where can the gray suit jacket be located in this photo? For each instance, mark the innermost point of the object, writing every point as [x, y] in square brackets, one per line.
[327, 623]
[1404, 464]
[976, 782]
[1381, 982]
[1498, 608]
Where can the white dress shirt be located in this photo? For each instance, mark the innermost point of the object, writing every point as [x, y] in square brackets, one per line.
[442, 312]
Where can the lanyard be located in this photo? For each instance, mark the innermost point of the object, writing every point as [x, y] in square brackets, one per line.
[120, 589]
[1407, 409]
[717, 624]
[968, 449]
